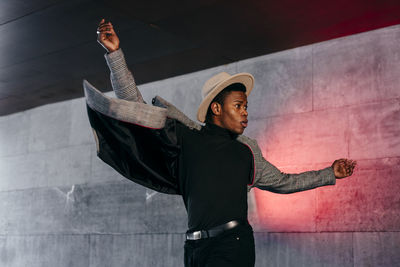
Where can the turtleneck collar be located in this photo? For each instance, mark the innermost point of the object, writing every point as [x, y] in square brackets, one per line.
[213, 129]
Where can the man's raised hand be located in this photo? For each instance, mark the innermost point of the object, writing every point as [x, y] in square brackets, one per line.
[343, 167]
[107, 37]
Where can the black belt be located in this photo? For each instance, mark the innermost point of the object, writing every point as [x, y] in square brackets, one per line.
[213, 231]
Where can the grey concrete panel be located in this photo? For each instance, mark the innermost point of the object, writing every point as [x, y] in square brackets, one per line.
[3, 219]
[23, 171]
[304, 138]
[100, 171]
[256, 127]
[165, 213]
[377, 249]
[357, 69]
[45, 251]
[366, 201]
[14, 134]
[375, 130]
[162, 212]
[119, 207]
[3, 250]
[81, 132]
[49, 126]
[64, 166]
[305, 249]
[252, 214]
[107, 208]
[68, 166]
[36, 211]
[284, 213]
[136, 250]
[283, 83]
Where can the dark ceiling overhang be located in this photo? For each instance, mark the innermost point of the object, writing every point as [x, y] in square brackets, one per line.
[47, 47]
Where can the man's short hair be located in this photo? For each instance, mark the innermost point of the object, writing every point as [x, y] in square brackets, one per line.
[220, 98]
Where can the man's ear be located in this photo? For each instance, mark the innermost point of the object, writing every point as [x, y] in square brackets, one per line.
[216, 108]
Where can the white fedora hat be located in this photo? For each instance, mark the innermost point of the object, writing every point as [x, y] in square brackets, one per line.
[216, 84]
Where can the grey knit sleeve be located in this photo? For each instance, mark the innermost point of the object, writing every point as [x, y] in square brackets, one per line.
[276, 181]
[270, 178]
[122, 79]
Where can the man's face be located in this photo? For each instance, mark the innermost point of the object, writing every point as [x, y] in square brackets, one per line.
[233, 113]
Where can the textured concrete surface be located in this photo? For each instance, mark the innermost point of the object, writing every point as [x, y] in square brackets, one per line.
[47, 250]
[375, 130]
[322, 137]
[101, 172]
[61, 206]
[282, 79]
[304, 249]
[137, 250]
[14, 134]
[119, 207]
[49, 127]
[369, 201]
[358, 69]
[377, 249]
[284, 213]
[80, 131]
[64, 166]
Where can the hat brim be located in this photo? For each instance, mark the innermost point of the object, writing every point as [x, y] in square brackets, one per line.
[244, 78]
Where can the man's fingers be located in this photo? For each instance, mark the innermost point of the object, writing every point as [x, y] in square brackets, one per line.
[103, 32]
[105, 24]
[105, 27]
[103, 21]
[350, 166]
[109, 25]
[350, 162]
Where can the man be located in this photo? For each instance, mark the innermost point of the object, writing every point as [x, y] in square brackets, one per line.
[211, 166]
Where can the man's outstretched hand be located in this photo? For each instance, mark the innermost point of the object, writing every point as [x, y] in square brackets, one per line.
[343, 167]
[107, 37]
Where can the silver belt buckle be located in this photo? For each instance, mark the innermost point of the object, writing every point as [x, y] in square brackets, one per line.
[231, 224]
[194, 236]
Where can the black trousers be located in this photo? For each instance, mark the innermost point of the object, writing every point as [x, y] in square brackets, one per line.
[232, 248]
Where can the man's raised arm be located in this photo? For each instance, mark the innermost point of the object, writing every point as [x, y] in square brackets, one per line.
[122, 79]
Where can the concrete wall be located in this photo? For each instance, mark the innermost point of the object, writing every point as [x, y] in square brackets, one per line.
[61, 206]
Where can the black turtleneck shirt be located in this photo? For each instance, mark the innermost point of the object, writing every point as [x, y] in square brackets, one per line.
[214, 170]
